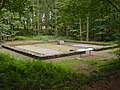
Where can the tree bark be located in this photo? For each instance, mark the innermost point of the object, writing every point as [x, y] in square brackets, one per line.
[38, 23]
[56, 29]
[87, 37]
[80, 29]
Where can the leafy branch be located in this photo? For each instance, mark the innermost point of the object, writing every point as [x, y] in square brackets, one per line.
[114, 5]
[2, 4]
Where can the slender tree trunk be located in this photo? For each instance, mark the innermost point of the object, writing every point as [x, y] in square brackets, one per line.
[52, 17]
[41, 22]
[87, 36]
[46, 22]
[67, 31]
[38, 14]
[33, 15]
[80, 23]
[56, 29]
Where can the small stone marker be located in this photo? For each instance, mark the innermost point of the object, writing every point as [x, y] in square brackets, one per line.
[60, 42]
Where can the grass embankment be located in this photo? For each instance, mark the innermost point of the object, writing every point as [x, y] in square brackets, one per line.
[26, 75]
[17, 74]
[94, 64]
[42, 38]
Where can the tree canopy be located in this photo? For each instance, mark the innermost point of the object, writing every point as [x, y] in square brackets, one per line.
[98, 20]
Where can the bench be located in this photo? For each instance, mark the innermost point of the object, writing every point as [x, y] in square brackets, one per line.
[86, 49]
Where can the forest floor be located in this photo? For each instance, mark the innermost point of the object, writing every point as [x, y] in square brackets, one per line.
[111, 83]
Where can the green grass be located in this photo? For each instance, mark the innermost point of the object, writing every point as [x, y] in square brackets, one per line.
[17, 74]
[73, 62]
[115, 51]
[112, 51]
[41, 37]
[96, 64]
[69, 63]
[27, 75]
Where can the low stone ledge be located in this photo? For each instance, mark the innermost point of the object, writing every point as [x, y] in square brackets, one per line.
[40, 56]
[106, 48]
[30, 43]
[85, 42]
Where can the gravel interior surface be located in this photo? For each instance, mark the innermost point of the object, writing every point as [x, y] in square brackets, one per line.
[40, 50]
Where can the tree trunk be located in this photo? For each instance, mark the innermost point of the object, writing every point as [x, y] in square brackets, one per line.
[56, 29]
[87, 36]
[38, 14]
[80, 29]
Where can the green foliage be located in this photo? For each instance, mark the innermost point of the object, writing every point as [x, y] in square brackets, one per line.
[118, 51]
[48, 17]
[103, 18]
[16, 74]
[14, 5]
[4, 26]
[34, 75]
[74, 34]
[101, 67]
[109, 66]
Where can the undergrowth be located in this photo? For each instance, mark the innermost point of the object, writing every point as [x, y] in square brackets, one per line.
[41, 37]
[16, 74]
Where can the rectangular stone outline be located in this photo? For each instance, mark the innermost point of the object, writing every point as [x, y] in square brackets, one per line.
[44, 57]
[38, 56]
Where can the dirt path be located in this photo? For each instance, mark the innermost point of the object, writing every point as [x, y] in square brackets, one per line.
[111, 83]
[95, 55]
[104, 54]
